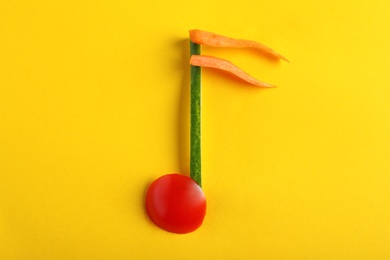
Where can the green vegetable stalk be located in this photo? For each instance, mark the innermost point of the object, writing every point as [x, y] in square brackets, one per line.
[195, 143]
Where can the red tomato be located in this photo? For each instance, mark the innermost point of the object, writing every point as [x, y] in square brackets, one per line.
[176, 203]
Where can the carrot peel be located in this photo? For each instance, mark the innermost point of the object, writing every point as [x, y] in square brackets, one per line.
[225, 65]
[216, 40]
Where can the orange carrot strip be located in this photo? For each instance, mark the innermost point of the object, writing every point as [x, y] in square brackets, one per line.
[216, 40]
[225, 65]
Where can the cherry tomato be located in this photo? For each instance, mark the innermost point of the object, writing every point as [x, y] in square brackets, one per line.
[176, 203]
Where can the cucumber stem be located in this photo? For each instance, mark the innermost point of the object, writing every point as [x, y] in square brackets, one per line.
[195, 142]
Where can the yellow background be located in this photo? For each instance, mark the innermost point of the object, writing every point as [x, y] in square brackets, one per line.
[94, 106]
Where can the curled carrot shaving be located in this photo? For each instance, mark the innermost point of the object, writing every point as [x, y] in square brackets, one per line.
[225, 65]
[216, 40]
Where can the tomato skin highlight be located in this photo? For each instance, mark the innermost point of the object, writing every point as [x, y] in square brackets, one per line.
[176, 203]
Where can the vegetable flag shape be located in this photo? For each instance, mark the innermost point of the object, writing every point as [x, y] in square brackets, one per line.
[216, 40]
[175, 202]
[225, 65]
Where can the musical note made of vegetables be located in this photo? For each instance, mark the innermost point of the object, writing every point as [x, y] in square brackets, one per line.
[176, 202]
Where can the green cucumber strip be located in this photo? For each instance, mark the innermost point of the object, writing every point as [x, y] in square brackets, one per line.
[195, 143]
